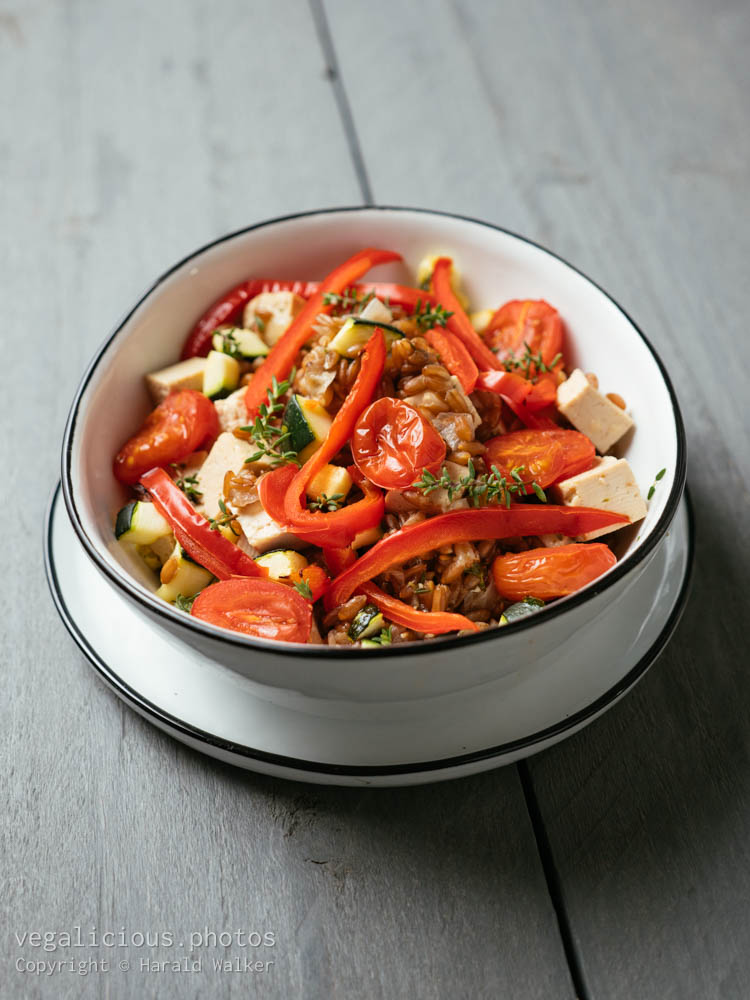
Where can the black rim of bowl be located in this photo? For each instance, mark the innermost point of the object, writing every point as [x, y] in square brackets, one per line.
[180, 729]
[166, 611]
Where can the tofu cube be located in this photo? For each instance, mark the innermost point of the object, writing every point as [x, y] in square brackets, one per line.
[590, 412]
[184, 375]
[610, 485]
[232, 411]
[228, 454]
[276, 310]
[261, 531]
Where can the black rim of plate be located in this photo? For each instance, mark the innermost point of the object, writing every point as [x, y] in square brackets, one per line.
[164, 610]
[177, 727]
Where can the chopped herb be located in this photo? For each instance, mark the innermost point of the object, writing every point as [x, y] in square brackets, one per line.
[303, 587]
[530, 365]
[479, 489]
[226, 518]
[383, 638]
[183, 603]
[477, 570]
[428, 316]
[229, 343]
[260, 324]
[327, 503]
[187, 484]
[272, 439]
[652, 489]
[349, 299]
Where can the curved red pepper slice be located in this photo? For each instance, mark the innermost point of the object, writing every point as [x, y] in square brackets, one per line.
[466, 526]
[455, 356]
[459, 323]
[227, 308]
[434, 622]
[284, 352]
[523, 397]
[349, 521]
[339, 527]
[193, 531]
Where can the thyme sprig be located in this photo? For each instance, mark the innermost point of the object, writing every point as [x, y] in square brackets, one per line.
[183, 603]
[271, 439]
[657, 478]
[530, 365]
[188, 484]
[350, 299]
[383, 638]
[480, 489]
[303, 587]
[327, 503]
[428, 315]
[229, 344]
[225, 518]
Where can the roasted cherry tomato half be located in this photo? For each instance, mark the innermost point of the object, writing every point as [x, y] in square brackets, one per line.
[262, 608]
[546, 455]
[550, 572]
[183, 423]
[532, 322]
[392, 443]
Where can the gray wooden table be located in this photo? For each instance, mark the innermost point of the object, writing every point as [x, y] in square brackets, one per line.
[614, 866]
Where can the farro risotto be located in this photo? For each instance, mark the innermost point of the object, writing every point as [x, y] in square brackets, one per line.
[367, 463]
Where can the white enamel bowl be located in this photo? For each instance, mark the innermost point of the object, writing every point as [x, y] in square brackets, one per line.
[111, 403]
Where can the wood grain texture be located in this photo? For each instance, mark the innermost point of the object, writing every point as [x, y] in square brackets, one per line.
[132, 133]
[620, 136]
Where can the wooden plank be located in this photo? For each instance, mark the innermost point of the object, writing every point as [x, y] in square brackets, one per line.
[132, 133]
[620, 136]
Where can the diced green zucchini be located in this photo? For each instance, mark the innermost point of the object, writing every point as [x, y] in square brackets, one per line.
[366, 622]
[332, 480]
[355, 333]
[183, 576]
[308, 423]
[521, 609]
[282, 563]
[239, 343]
[141, 523]
[222, 375]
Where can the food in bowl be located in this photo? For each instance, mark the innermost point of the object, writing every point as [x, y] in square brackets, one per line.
[367, 464]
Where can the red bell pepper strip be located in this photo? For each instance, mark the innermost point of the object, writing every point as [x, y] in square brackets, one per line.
[340, 559]
[227, 308]
[523, 397]
[339, 527]
[434, 622]
[366, 513]
[284, 352]
[466, 526]
[455, 357]
[459, 323]
[193, 531]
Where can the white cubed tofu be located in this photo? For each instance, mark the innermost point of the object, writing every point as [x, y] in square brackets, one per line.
[377, 312]
[276, 311]
[184, 375]
[590, 412]
[261, 531]
[228, 454]
[232, 410]
[609, 485]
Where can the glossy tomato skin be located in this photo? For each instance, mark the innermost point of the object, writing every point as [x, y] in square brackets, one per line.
[531, 321]
[258, 607]
[547, 573]
[392, 443]
[548, 455]
[184, 422]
